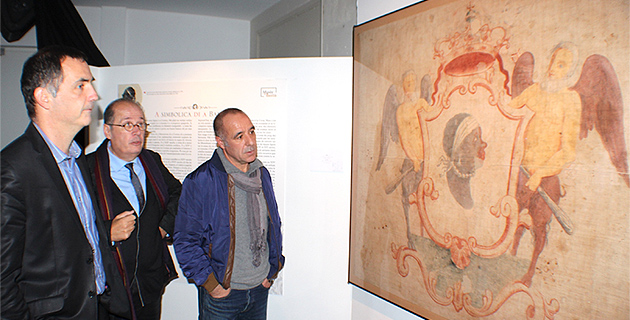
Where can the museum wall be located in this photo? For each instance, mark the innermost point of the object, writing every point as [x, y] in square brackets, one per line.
[129, 36]
[125, 37]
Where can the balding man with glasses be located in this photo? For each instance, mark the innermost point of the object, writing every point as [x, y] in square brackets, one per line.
[139, 199]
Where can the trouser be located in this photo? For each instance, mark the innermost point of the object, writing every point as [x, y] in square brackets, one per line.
[248, 304]
[150, 311]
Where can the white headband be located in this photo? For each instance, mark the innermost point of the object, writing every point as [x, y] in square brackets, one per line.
[463, 130]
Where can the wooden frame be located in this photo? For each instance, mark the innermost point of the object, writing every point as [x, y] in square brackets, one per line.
[490, 171]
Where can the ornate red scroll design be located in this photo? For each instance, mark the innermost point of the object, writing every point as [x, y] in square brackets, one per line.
[537, 308]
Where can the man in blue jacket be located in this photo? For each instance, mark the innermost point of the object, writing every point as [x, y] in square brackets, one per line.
[227, 232]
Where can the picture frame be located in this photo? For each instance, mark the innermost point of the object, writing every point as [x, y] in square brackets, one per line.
[489, 159]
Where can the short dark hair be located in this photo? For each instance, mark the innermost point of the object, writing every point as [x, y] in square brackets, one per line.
[43, 69]
[217, 125]
[108, 115]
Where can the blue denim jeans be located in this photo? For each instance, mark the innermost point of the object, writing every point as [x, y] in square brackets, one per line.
[239, 304]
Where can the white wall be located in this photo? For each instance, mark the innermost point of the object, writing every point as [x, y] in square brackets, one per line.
[286, 19]
[184, 38]
[129, 36]
[371, 9]
[338, 20]
[126, 37]
[13, 117]
[306, 28]
[295, 35]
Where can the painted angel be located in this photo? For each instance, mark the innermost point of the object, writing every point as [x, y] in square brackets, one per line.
[400, 123]
[563, 114]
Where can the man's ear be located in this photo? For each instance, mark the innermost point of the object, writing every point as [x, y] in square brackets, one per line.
[107, 130]
[42, 97]
[219, 142]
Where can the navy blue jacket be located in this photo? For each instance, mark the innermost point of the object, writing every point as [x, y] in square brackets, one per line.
[204, 227]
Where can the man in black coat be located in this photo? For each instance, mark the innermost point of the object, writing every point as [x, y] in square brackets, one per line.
[56, 260]
[139, 199]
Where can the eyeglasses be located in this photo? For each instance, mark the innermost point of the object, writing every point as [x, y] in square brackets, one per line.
[129, 126]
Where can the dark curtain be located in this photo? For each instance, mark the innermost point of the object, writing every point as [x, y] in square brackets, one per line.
[58, 22]
[17, 18]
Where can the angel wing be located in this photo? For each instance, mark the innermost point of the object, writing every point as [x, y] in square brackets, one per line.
[426, 91]
[523, 74]
[389, 127]
[602, 108]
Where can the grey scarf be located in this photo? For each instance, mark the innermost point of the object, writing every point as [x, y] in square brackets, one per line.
[252, 184]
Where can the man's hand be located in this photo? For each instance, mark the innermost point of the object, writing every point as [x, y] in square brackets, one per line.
[219, 292]
[266, 283]
[122, 225]
[534, 182]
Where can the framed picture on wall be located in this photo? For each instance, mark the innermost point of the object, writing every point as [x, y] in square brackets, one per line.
[490, 166]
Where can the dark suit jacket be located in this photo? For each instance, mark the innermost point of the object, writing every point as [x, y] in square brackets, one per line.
[146, 259]
[47, 261]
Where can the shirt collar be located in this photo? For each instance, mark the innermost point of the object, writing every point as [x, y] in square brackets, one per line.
[117, 164]
[60, 156]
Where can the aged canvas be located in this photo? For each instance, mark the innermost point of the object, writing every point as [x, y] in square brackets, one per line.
[490, 166]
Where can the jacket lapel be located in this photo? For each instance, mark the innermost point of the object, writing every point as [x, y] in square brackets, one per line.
[50, 165]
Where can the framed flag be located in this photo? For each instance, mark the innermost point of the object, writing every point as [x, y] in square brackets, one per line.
[490, 167]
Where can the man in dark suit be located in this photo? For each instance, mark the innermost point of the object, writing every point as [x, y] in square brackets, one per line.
[139, 199]
[55, 259]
